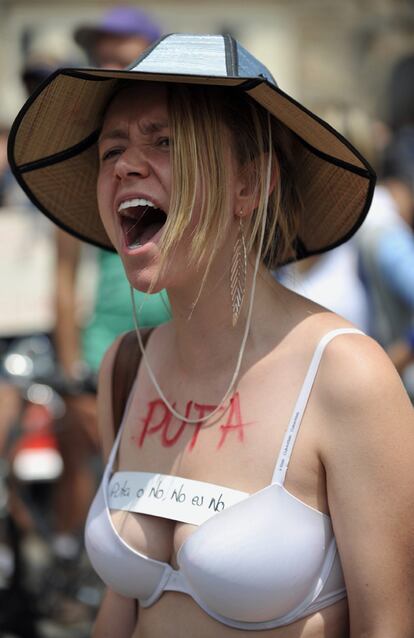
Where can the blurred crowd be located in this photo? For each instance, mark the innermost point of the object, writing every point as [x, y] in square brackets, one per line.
[65, 303]
[370, 279]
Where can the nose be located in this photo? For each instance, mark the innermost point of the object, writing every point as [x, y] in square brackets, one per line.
[131, 163]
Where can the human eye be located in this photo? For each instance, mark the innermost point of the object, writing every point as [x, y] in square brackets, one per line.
[110, 153]
[164, 142]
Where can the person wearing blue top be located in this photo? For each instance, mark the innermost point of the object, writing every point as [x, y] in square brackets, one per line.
[386, 250]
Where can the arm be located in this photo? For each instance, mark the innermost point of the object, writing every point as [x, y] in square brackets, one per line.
[66, 330]
[118, 615]
[368, 452]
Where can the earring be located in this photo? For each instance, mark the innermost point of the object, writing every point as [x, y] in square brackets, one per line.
[238, 270]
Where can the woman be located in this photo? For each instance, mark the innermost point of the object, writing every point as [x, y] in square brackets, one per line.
[264, 437]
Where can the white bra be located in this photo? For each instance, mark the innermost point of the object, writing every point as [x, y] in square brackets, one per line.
[261, 563]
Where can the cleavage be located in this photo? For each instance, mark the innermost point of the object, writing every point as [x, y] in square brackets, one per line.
[154, 537]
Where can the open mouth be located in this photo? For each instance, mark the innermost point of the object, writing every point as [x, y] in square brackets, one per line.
[140, 221]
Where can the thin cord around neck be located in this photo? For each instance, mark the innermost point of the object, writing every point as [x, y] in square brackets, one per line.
[151, 374]
[164, 303]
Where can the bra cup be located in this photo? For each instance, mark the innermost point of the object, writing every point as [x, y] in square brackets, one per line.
[120, 567]
[252, 564]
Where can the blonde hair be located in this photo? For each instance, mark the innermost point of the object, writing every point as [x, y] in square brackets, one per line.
[200, 121]
[203, 121]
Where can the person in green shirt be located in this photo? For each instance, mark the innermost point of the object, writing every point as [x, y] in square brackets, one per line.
[112, 310]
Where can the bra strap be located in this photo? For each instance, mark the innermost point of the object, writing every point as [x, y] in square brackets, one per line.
[296, 419]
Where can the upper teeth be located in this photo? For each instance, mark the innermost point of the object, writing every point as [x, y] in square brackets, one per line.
[138, 201]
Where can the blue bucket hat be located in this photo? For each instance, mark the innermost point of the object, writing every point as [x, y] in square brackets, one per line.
[53, 155]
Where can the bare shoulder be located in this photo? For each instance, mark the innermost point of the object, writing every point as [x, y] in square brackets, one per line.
[363, 408]
[105, 419]
[366, 423]
[105, 370]
[107, 364]
[108, 360]
[356, 377]
[105, 424]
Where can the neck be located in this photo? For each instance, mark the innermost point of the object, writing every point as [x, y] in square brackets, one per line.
[205, 339]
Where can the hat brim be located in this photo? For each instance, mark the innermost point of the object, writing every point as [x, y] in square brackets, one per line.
[52, 152]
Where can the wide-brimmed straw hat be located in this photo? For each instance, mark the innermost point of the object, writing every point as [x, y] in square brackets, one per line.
[52, 145]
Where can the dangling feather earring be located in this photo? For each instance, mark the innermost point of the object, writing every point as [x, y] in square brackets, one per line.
[238, 270]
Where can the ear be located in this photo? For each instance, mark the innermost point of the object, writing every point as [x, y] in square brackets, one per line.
[247, 195]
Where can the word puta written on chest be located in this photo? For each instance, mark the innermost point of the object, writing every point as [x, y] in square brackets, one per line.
[159, 421]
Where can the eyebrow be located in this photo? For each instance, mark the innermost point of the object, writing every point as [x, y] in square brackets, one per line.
[147, 128]
[113, 134]
[152, 127]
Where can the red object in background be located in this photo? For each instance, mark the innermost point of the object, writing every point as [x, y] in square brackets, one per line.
[36, 417]
[36, 457]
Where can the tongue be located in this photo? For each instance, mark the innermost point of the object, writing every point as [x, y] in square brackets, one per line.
[148, 233]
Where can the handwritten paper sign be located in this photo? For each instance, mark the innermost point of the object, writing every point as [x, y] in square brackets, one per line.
[172, 497]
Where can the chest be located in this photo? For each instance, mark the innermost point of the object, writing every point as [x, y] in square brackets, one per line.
[239, 444]
[237, 449]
